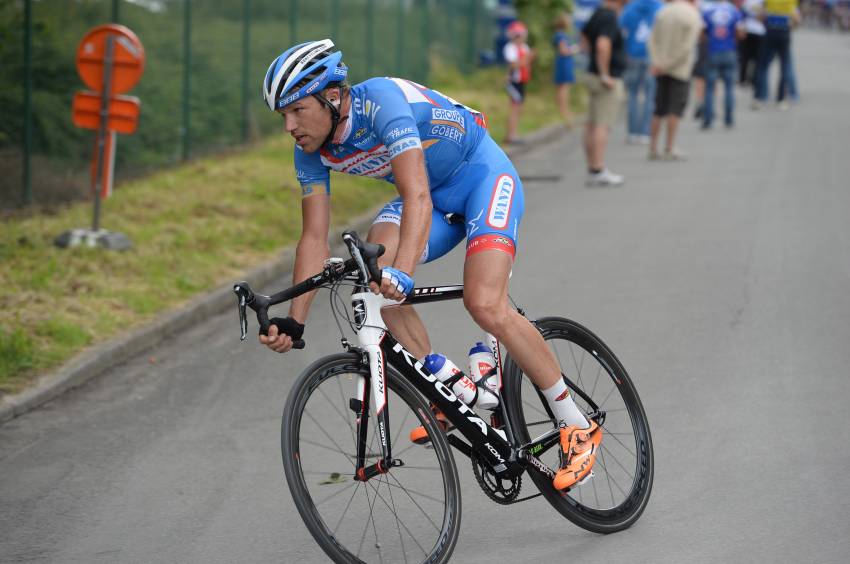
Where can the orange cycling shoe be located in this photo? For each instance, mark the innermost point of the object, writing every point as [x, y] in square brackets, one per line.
[419, 435]
[579, 448]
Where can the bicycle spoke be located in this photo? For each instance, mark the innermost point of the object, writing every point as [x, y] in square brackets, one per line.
[401, 521]
[607, 476]
[595, 382]
[596, 493]
[624, 445]
[397, 524]
[411, 446]
[325, 433]
[402, 488]
[578, 365]
[409, 467]
[402, 426]
[326, 473]
[345, 511]
[620, 464]
[370, 520]
[534, 406]
[345, 403]
[535, 423]
[607, 397]
[336, 493]
[420, 494]
[351, 458]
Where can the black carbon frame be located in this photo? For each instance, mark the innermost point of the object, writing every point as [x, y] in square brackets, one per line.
[483, 438]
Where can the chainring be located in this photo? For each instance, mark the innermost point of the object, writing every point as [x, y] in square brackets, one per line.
[501, 490]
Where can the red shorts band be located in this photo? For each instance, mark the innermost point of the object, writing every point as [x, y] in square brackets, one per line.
[491, 241]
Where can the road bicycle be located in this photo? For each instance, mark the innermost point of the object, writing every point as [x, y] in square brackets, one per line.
[368, 493]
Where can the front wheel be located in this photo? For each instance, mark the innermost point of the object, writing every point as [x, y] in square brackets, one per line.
[409, 514]
[618, 492]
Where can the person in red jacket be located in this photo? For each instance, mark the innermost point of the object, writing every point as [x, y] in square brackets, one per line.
[518, 55]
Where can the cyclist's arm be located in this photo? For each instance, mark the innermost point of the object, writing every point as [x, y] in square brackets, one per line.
[412, 183]
[312, 249]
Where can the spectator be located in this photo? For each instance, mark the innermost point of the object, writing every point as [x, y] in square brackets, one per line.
[518, 56]
[780, 16]
[605, 88]
[722, 21]
[582, 10]
[671, 55]
[748, 49]
[700, 67]
[565, 48]
[636, 23]
[786, 89]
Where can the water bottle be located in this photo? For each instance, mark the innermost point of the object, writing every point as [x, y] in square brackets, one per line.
[464, 388]
[481, 362]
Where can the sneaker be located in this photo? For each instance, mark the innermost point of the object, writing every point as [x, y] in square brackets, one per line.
[643, 139]
[675, 154]
[420, 436]
[653, 155]
[579, 448]
[783, 106]
[755, 105]
[604, 178]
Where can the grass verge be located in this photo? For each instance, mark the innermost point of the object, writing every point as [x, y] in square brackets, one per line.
[193, 227]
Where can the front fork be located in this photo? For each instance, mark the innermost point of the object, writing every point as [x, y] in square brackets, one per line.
[370, 333]
[377, 384]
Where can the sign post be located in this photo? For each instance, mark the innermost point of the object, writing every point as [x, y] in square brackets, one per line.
[110, 61]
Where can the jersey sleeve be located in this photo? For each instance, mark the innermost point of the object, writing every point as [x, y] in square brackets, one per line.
[510, 53]
[392, 118]
[311, 172]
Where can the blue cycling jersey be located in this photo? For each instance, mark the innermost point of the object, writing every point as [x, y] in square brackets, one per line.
[468, 173]
[388, 117]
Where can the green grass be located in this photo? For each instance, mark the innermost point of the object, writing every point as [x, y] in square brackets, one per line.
[193, 228]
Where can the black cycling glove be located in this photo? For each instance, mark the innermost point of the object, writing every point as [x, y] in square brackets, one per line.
[288, 326]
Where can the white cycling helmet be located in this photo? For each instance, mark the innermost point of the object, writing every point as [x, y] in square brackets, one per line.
[302, 70]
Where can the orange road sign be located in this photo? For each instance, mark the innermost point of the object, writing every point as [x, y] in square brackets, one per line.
[123, 112]
[128, 58]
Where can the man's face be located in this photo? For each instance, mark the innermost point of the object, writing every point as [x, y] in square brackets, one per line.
[308, 121]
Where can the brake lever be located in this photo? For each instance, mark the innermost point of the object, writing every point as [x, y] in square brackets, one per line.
[243, 319]
[243, 293]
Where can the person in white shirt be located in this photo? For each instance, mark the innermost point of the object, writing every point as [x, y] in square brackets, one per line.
[748, 48]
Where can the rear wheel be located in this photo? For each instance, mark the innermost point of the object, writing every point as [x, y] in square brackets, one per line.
[618, 492]
[409, 514]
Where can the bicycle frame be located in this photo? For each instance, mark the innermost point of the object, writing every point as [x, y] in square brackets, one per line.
[382, 348]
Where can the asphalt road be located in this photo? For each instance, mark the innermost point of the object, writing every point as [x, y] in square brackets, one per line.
[722, 284]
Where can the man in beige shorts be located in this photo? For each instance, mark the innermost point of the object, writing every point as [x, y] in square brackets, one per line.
[605, 88]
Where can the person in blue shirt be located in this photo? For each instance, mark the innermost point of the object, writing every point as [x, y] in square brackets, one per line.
[636, 23]
[722, 29]
[441, 159]
[565, 48]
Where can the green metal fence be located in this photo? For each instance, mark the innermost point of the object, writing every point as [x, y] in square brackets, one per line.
[205, 62]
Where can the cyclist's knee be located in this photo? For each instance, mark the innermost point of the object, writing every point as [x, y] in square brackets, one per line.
[386, 234]
[489, 311]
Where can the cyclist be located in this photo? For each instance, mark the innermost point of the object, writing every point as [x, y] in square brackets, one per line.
[442, 160]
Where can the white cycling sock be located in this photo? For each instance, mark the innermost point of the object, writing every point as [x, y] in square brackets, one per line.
[565, 409]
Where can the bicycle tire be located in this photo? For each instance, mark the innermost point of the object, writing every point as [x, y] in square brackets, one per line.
[299, 450]
[527, 408]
